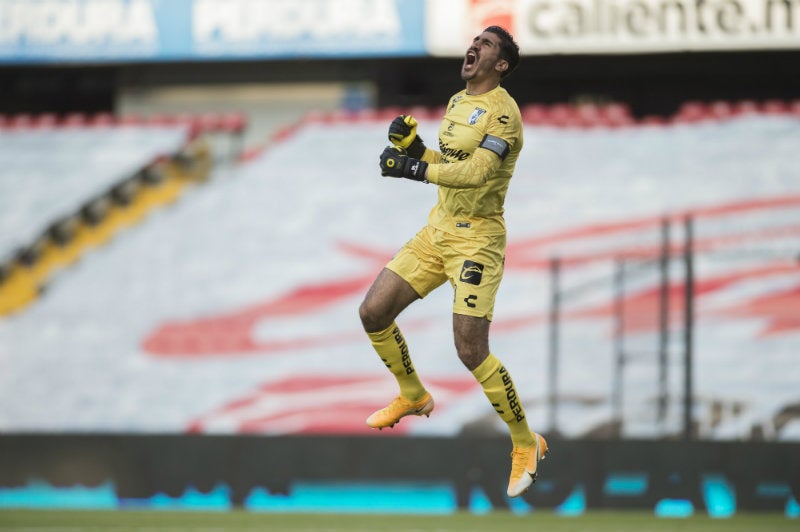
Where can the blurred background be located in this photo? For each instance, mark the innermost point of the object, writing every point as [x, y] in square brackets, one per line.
[191, 212]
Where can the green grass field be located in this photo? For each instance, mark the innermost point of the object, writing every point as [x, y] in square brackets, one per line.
[238, 521]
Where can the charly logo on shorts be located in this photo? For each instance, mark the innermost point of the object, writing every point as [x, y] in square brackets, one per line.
[471, 272]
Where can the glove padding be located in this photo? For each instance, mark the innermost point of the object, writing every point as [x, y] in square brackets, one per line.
[395, 163]
[403, 133]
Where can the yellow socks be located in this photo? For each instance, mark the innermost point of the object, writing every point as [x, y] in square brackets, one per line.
[499, 389]
[392, 348]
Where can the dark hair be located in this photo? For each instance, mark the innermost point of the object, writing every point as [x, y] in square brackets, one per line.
[509, 50]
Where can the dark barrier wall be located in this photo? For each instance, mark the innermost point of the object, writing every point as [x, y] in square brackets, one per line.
[649, 83]
[598, 474]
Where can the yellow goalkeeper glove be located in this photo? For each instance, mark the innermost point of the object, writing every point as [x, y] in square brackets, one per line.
[403, 133]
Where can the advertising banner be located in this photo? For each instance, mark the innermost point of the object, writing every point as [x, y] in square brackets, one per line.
[617, 26]
[90, 31]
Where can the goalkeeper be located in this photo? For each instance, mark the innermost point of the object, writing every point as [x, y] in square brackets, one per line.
[463, 242]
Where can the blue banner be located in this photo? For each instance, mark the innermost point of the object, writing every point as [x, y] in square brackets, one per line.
[110, 31]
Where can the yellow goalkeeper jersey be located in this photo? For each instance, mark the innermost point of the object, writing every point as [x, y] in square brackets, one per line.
[479, 141]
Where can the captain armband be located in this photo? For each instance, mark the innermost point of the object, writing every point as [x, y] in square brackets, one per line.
[496, 145]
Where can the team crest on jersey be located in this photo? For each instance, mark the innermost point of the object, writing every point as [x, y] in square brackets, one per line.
[476, 114]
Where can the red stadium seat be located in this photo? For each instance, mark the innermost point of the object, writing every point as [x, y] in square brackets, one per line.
[589, 115]
[561, 115]
[20, 121]
[103, 120]
[388, 113]
[366, 114]
[617, 114]
[211, 122]
[45, 121]
[534, 113]
[745, 107]
[75, 120]
[774, 107]
[721, 109]
[234, 123]
[692, 111]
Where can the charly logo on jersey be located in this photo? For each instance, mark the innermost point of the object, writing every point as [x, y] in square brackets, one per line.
[476, 114]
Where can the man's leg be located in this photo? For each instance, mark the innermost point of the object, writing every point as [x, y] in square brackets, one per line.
[472, 344]
[388, 296]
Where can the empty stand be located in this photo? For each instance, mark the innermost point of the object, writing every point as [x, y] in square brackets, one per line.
[246, 293]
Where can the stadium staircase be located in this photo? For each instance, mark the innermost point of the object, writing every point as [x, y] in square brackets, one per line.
[125, 203]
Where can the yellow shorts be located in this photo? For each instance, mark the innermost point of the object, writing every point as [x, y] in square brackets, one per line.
[474, 267]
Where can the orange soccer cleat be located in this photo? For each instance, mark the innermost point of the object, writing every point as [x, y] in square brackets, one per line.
[398, 408]
[524, 465]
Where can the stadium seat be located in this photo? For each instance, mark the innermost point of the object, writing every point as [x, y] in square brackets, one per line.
[745, 107]
[534, 114]
[589, 115]
[233, 123]
[692, 111]
[93, 212]
[617, 114]
[75, 120]
[367, 114]
[721, 109]
[774, 107]
[44, 121]
[102, 120]
[562, 115]
[20, 121]
[388, 113]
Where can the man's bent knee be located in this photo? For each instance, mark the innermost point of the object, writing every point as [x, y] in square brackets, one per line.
[372, 319]
[388, 296]
[471, 337]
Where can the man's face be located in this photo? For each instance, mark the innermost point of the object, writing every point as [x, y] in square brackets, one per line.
[482, 57]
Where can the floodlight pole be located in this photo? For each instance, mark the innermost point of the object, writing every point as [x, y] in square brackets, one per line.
[553, 347]
[663, 326]
[619, 344]
[688, 330]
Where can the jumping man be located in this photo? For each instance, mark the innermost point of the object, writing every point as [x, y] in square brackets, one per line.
[463, 242]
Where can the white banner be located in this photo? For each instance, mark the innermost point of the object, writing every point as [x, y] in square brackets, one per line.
[617, 26]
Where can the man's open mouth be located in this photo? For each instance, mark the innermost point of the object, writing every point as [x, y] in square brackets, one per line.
[470, 59]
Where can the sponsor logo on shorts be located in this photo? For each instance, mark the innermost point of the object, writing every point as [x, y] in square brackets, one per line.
[471, 272]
